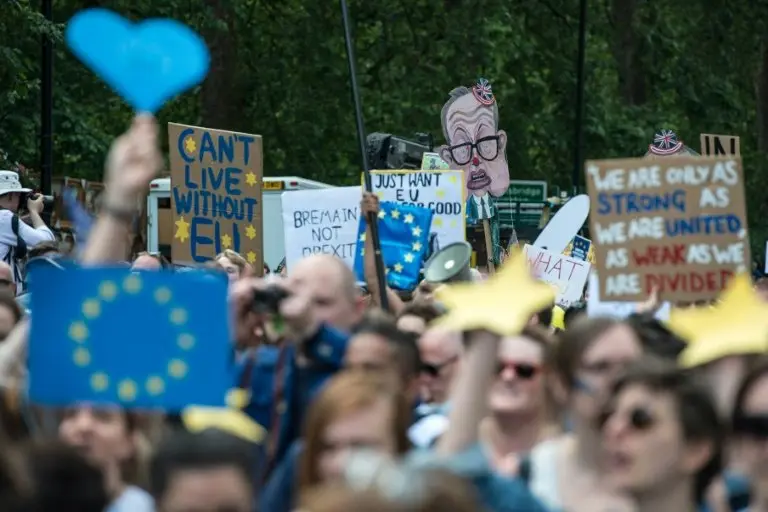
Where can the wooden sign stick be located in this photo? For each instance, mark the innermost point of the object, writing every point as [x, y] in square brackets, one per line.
[488, 246]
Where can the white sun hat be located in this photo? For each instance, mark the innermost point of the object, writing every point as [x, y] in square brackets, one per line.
[9, 182]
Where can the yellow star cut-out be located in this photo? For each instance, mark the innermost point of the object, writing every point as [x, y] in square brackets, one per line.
[440, 193]
[250, 232]
[502, 304]
[226, 241]
[408, 219]
[182, 229]
[251, 257]
[382, 214]
[398, 267]
[190, 145]
[438, 222]
[737, 325]
[408, 257]
[416, 247]
[416, 231]
[250, 179]
[395, 214]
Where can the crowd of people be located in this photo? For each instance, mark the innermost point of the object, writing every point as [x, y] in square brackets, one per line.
[370, 410]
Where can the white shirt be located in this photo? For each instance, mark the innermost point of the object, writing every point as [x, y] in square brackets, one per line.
[32, 236]
[483, 205]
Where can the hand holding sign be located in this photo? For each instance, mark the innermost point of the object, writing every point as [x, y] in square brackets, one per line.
[146, 64]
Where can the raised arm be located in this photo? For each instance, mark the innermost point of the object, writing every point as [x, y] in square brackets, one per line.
[370, 204]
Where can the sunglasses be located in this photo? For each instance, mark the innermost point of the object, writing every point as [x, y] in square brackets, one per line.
[433, 370]
[751, 425]
[523, 371]
[639, 419]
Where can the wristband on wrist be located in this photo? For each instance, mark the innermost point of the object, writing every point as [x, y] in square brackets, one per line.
[123, 214]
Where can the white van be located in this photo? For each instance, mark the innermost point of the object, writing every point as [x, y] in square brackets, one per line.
[160, 216]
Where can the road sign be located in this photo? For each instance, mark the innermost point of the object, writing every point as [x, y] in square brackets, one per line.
[523, 191]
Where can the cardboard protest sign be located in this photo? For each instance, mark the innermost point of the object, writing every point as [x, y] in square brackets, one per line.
[676, 223]
[441, 191]
[568, 275]
[321, 221]
[720, 145]
[215, 194]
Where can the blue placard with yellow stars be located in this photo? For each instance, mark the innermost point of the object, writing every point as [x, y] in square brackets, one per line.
[404, 238]
[148, 340]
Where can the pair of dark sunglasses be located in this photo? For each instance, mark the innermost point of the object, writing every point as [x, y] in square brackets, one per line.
[523, 371]
[433, 370]
[639, 419]
[751, 425]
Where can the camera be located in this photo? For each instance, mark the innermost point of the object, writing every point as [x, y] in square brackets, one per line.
[268, 300]
[387, 151]
[47, 200]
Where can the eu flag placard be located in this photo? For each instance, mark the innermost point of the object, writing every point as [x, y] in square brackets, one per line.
[139, 340]
[404, 238]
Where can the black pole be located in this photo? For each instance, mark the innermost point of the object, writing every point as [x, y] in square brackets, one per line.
[46, 105]
[372, 220]
[578, 158]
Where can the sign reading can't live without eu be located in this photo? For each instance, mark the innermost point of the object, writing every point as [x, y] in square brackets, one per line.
[216, 178]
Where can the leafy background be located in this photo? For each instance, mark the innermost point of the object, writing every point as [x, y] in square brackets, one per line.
[279, 70]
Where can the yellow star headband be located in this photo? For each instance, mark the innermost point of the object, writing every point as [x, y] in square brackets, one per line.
[502, 304]
[736, 325]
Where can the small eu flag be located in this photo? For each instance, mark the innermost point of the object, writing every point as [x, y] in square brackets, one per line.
[148, 340]
[580, 248]
[404, 238]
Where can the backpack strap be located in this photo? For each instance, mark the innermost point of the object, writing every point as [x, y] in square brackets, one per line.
[21, 245]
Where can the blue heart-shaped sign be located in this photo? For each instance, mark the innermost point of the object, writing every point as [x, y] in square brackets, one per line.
[146, 63]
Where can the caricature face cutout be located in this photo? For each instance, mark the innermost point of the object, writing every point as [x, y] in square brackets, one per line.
[476, 145]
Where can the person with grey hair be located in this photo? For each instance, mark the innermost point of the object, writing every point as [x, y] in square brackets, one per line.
[476, 145]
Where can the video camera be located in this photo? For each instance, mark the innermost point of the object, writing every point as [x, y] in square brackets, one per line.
[387, 151]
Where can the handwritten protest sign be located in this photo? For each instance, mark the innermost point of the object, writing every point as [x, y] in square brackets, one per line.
[321, 221]
[215, 194]
[677, 223]
[440, 190]
[620, 310]
[567, 274]
[720, 145]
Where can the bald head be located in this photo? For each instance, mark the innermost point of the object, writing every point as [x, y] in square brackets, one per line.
[331, 285]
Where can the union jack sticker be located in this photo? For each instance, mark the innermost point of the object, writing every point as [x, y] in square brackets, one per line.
[483, 93]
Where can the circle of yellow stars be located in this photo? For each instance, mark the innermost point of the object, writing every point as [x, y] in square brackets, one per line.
[182, 232]
[129, 389]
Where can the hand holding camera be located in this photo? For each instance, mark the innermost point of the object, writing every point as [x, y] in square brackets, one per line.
[35, 203]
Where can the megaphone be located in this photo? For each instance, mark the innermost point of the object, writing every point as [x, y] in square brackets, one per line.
[450, 264]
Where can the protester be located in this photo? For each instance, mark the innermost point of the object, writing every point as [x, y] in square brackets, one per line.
[150, 261]
[108, 438]
[233, 264]
[416, 316]
[520, 407]
[589, 356]
[663, 438]
[16, 236]
[208, 472]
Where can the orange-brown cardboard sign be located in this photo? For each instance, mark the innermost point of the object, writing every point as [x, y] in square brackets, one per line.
[720, 145]
[679, 224]
[215, 194]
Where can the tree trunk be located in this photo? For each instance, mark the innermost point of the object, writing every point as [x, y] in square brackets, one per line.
[626, 50]
[220, 95]
[761, 90]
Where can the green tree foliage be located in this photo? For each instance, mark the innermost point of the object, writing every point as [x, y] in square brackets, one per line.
[279, 69]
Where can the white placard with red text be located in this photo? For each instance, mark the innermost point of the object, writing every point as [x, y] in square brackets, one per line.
[568, 274]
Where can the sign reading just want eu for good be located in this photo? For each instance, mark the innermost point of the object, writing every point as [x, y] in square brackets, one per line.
[216, 180]
[675, 224]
